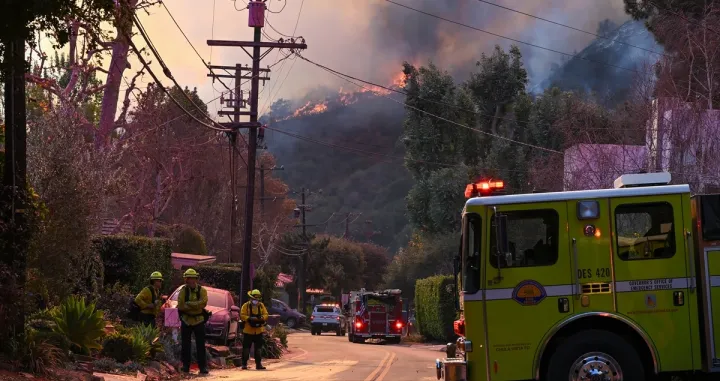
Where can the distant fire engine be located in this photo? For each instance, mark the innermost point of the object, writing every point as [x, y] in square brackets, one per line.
[611, 284]
[375, 315]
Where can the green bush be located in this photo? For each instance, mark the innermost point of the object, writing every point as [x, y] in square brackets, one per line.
[272, 348]
[114, 301]
[118, 347]
[130, 260]
[82, 324]
[435, 307]
[226, 276]
[280, 332]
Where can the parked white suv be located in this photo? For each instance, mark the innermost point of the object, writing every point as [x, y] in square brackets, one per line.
[328, 318]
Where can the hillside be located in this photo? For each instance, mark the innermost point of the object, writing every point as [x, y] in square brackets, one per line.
[351, 181]
[606, 66]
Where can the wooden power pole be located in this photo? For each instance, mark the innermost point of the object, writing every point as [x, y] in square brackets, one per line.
[256, 20]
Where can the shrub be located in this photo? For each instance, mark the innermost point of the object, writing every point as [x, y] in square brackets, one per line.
[114, 300]
[151, 336]
[140, 347]
[118, 347]
[225, 276]
[281, 333]
[82, 324]
[106, 364]
[186, 239]
[130, 260]
[37, 352]
[272, 348]
[435, 307]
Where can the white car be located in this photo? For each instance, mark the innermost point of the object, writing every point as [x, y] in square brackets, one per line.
[328, 318]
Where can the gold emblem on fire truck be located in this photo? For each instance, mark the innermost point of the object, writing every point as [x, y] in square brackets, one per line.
[529, 293]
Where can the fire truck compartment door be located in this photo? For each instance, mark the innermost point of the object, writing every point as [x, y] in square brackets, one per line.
[651, 273]
[524, 295]
[712, 268]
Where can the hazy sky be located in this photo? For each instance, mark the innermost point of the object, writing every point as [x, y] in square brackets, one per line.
[367, 38]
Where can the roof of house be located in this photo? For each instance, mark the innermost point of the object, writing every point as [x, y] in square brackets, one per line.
[283, 279]
[195, 257]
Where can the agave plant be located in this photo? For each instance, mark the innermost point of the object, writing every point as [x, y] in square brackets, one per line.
[151, 335]
[82, 324]
[140, 347]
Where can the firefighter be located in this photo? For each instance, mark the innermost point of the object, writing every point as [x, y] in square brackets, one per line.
[192, 300]
[254, 315]
[149, 300]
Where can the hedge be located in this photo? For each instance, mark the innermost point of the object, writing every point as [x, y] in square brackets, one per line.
[131, 259]
[227, 276]
[435, 307]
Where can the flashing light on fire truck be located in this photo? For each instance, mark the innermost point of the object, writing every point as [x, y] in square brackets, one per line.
[483, 188]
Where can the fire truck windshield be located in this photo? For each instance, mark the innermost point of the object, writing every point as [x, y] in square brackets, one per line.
[472, 235]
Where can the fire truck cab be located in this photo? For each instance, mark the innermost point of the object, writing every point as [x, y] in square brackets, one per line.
[375, 315]
[612, 284]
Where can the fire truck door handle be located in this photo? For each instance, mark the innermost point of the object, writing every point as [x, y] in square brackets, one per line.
[691, 258]
[576, 291]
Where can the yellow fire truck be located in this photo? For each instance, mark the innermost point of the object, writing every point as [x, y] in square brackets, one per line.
[612, 284]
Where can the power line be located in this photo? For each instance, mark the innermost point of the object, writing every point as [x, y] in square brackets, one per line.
[510, 38]
[342, 76]
[282, 9]
[167, 72]
[570, 27]
[271, 99]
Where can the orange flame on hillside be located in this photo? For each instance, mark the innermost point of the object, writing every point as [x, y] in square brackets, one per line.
[347, 98]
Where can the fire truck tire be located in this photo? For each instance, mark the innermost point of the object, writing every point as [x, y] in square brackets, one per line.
[351, 338]
[589, 353]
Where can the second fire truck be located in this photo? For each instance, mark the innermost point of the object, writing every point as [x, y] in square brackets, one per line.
[375, 315]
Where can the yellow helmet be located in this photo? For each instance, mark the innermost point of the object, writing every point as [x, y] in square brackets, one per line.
[156, 275]
[255, 294]
[190, 273]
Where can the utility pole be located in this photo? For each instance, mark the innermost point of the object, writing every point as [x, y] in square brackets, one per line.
[303, 257]
[256, 20]
[347, 225]
[262, 186]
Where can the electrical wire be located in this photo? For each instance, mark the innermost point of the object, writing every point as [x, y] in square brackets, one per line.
[342, 76]
[282, 9]
[267, 104]
[570, 27]
[169, 75]
[510, 38]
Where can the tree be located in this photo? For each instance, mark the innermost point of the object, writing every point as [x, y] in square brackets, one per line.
[377, 260]
[688, 31]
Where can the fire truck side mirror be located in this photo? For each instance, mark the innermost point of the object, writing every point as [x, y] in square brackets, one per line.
[501, 233]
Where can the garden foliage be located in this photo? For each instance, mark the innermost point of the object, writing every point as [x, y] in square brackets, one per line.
[435, 307]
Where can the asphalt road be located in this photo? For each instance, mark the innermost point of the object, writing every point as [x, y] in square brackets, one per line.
[329, 357]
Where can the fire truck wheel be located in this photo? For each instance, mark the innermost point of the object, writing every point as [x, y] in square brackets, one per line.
[351, 338]
[596, 355]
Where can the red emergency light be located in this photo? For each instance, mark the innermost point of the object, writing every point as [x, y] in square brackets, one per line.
[483, 188]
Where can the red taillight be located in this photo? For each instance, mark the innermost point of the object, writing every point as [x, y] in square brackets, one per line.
[399, 325]
[312, 318]
[459, 327]
[337, 318]
[358, 324]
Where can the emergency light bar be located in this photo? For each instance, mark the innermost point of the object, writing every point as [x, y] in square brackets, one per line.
[483, 187]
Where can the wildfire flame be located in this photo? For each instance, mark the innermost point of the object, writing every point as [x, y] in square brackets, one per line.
[346, 98]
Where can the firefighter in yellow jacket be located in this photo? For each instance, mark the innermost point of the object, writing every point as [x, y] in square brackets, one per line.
[149, 300]
[254, 315]
[192, 300]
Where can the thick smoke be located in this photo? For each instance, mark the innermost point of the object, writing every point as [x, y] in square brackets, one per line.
[401, 34]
